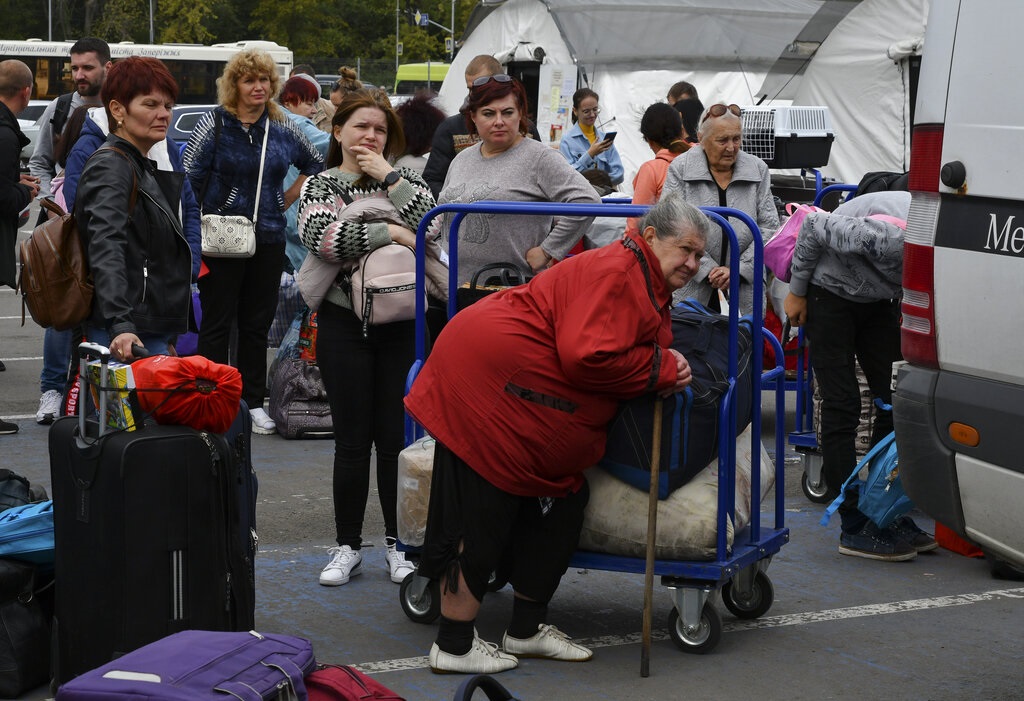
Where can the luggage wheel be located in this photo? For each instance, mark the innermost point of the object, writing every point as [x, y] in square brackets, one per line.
[813, 482]
[420, 598]
[749, 594]
[694, 624]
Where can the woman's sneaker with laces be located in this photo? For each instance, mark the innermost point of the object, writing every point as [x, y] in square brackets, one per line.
[548, 643]
[345, 563]
[874, 543]
[482, 658]
[398, 566]
[262, 423]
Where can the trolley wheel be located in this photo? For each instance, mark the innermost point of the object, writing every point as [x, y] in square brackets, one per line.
[819, 493]
[701, 641]
[762, 594]
[428, 608]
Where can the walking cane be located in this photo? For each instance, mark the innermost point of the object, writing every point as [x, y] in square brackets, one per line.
[652, 528]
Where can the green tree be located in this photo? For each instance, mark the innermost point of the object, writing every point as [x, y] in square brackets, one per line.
[185, 21]
[122, 20]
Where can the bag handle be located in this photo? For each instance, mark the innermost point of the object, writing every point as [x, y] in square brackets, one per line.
[506, 277]
[488, 684]
[259, 180]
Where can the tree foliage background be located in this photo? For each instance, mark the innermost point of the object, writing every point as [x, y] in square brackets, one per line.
[323, 30]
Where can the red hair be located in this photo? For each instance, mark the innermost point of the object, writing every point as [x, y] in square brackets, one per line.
[134, 76]
[481, 95]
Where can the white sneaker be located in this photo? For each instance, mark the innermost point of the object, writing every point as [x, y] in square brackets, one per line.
[398, 566]
[49, 407]
[549, 643]
[261, 423]
[345, 564]
[482, 658]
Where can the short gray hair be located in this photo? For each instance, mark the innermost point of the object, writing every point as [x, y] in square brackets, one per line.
[674, 217]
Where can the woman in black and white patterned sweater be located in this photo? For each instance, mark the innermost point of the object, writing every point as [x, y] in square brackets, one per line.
[364, 374]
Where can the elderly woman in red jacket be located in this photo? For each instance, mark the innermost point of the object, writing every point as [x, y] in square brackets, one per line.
[518, 391]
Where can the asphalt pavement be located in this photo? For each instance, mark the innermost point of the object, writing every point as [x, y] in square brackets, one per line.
[939, 627]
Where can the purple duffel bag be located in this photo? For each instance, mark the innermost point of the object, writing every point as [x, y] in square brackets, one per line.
[195, 665]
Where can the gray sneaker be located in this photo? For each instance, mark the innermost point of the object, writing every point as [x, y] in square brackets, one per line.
[874, 543]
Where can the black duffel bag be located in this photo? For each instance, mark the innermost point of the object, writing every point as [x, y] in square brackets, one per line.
[690, 418]
[489, 279]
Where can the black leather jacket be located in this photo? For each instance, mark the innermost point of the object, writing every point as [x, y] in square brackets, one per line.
[141, 262]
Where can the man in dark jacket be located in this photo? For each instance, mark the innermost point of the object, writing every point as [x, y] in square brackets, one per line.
[16, 189]
[452, 135]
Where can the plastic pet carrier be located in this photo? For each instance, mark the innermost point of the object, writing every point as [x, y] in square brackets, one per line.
[788, 137]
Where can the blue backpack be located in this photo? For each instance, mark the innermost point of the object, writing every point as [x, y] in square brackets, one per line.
[26, 533]
[881, 497]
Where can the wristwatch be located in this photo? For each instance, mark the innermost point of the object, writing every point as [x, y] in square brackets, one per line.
[391, 178]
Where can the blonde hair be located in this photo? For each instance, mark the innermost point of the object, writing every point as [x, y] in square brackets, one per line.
[243, 64]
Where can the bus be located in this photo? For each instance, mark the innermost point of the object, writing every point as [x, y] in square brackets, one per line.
[413, 77]
[195, 67]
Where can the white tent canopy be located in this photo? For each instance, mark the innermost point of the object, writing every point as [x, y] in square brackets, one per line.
[631, 51]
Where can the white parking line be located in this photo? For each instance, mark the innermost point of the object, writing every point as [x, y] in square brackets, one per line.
[26, 357]
[792, 619]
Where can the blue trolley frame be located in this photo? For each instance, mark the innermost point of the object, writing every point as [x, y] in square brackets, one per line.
[695, 624]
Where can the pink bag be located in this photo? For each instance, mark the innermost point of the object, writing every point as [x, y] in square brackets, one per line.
[384, 285]
[778, 251]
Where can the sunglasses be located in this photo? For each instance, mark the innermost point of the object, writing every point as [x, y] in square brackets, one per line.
[499, 78]
[719, 109]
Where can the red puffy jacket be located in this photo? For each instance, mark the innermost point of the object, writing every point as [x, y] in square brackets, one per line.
[523, 384]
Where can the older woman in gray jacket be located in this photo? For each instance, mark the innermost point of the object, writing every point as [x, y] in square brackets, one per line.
[717, 173]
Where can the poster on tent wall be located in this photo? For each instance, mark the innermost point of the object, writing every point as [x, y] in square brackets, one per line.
[554, 101]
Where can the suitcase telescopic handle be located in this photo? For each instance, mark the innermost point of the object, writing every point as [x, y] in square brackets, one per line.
[87, 350]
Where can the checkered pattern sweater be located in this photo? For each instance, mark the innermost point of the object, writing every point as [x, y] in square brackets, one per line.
[331, 237]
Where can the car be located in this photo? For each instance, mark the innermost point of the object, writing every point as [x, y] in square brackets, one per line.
[31, 120]
[959, 399]
[327, 82]
[184, 119]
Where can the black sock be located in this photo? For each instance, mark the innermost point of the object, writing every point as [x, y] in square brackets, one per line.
[455, 637]
[527, 616]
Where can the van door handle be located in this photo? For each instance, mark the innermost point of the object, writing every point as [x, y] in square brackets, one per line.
[953, 175]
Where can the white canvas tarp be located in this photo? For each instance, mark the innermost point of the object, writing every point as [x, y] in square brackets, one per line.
[631, 51]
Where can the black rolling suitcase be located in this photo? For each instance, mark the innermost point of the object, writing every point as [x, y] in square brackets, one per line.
[154, 533]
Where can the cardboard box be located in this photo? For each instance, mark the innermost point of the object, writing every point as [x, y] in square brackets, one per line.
[120, 383]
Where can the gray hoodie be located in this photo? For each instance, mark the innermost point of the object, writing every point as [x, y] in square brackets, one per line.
[850, 254]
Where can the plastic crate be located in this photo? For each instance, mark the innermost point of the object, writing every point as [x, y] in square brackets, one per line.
[788, 137]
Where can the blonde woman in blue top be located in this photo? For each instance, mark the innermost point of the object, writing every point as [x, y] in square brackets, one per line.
[585, 145]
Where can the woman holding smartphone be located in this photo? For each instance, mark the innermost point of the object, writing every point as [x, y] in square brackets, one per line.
[585, 146]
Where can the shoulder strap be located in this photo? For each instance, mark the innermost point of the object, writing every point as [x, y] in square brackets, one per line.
[135, 179]
[336, 186]
[488, 684]
[60, 113]
[259, 178]
[216, 138]
[879, 447]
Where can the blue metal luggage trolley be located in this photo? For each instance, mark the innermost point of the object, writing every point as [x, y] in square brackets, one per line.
[694, 623]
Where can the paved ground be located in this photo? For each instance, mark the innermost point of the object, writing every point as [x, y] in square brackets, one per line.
[939, 627]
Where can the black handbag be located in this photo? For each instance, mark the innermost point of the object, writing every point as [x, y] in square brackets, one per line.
[489, 279]
[486, 683]
[15, 490]
[24, 629]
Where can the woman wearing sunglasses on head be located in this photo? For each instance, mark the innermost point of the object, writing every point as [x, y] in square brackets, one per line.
[716, 173]
[507, 165]
[585, 146]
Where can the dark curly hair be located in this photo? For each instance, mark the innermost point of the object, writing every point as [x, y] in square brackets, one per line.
[662, 125]
[420, 119]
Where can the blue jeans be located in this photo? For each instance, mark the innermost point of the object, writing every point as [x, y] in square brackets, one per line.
[56, 359]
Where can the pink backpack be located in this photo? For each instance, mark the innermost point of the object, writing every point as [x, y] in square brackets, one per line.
[778, 251]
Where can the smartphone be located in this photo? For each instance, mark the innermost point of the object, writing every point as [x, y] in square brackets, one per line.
[610, 135]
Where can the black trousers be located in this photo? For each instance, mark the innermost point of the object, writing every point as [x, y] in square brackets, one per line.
[842, 333]
[241, 291]
[365, 383]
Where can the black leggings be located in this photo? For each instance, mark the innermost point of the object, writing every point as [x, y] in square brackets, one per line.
[365, 383]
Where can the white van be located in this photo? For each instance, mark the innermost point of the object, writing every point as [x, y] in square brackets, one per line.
[959, 401]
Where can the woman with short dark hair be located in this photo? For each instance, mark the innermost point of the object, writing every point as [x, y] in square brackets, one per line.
[128, 212]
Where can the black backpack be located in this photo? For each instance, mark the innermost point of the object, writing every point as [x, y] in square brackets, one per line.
[883, 180]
